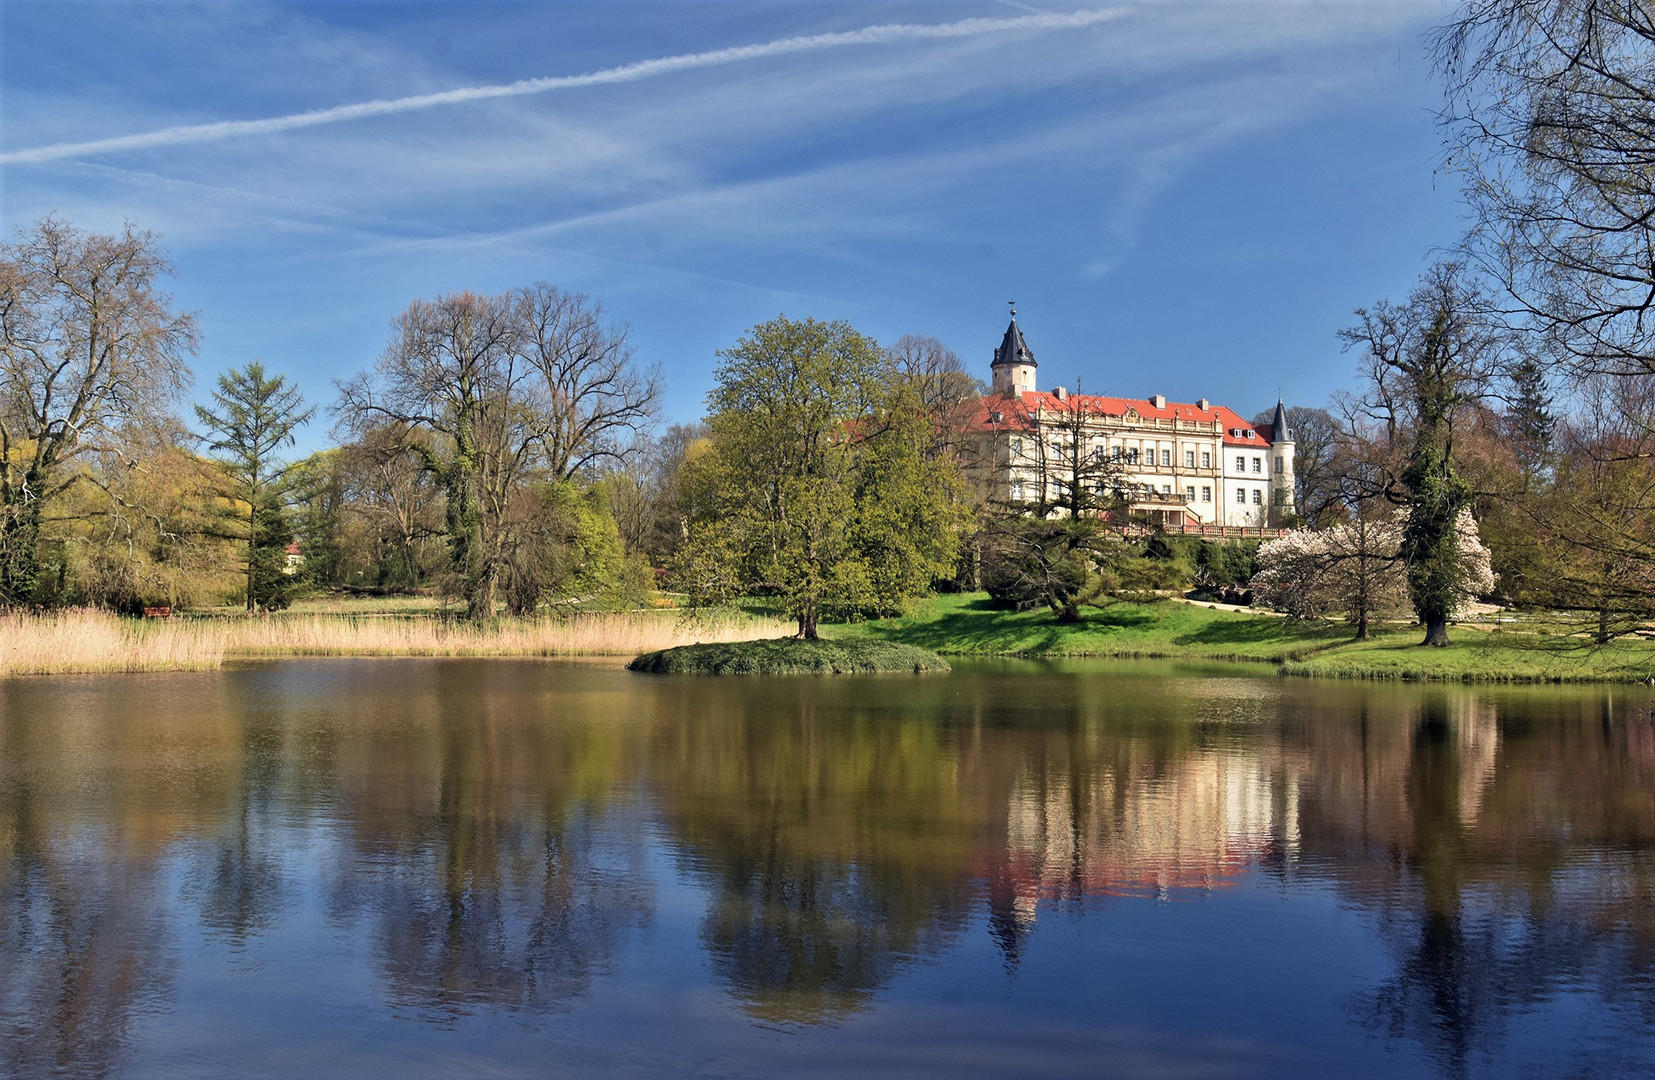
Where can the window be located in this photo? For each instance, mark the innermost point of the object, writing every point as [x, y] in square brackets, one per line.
[1189, 494]
[1258, 465]
[1017, 490]
[1132, 455]
[1206, 459]
[1189, 459]
[1241, 496]
[1258, 497]
[1278, 466]
[1166, 489]
[1241, 463]
[1206, 494]
[1166, 457]
[1119, 453]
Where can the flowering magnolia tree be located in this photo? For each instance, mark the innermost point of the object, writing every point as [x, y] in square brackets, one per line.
[1358, 569]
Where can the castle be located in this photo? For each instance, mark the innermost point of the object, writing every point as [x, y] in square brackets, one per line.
[1178, 465]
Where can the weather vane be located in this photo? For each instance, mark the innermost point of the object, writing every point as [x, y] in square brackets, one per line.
[1013, 304]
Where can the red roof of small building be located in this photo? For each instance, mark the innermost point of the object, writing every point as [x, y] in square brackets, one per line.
[1236, 431]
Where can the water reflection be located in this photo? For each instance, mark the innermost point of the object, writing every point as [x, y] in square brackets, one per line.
[502, 838]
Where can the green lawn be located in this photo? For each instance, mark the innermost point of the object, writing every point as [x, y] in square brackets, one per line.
[970, 625]
[1482, 655]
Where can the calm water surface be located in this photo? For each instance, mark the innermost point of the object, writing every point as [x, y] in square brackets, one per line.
[441, 868]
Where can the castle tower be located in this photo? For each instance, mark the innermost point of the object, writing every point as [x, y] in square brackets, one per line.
[1013, 365]
[1281, 465]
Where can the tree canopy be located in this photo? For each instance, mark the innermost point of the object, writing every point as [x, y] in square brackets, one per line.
[817, 487]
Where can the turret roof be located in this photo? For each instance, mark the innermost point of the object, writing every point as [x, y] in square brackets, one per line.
[1013, 349]
[1278, 424]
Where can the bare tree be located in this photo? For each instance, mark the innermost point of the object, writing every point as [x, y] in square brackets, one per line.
[387, 490]
[88, 345]
[948, 395]
[451, 372]
[1551, 107]
[1061, 443]
[493, 391]
[593, 398]
[1425, 362]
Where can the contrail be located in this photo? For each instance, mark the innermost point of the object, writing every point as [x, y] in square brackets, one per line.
[642, 69]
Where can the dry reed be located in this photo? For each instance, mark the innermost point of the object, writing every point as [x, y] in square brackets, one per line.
[91, 641]
[71, 642]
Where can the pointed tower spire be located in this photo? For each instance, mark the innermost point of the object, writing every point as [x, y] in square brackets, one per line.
[1279, 431]
[1013, 365]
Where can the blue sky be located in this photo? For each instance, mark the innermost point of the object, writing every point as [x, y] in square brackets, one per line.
[1183, 198]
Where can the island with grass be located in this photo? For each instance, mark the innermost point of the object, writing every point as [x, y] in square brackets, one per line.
[791, 656]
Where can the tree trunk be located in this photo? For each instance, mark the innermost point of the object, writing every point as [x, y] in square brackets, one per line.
[1362, 633]
[479, 601]
[807, 622]
[1436, 632]
[252, 554]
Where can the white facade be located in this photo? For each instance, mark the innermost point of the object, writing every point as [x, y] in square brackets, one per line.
[1189, 464]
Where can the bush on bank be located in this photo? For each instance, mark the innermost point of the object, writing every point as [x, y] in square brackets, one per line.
[789, 656]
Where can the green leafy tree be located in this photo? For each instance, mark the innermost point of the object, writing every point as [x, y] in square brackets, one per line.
[816, 486]
[570, 553]
[253, 419]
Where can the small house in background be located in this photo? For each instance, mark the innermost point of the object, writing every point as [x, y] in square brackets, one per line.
[294, 560]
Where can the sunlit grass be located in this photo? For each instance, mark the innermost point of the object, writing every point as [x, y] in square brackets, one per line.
[95, 641]
[1529, 650]
[969, 624]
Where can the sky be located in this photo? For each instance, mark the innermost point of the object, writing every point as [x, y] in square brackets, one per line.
[1182, 198]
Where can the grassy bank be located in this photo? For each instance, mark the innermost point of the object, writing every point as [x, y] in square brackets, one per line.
[968, 625]
[964, 625]
[790, 656]
[94, 641]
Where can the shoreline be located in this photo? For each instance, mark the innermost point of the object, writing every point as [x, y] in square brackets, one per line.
[958, 625]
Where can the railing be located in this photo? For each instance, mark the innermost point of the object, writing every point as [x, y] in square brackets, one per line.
[1225, 532]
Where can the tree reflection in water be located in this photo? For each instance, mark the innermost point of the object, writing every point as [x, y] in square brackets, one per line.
[1511, 865]
[832, 836]
[491, 839]
[485, 856]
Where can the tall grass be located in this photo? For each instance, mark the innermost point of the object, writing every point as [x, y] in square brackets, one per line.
[69, 642]
[92, 641]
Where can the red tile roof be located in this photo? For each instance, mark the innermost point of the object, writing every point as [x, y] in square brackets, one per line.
[1031, 401]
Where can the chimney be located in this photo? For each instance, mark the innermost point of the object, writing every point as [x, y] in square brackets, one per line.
[1158, 400]
[1203, 404]
[1060, 393]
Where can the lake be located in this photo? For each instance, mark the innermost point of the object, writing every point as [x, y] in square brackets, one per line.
[511, 868]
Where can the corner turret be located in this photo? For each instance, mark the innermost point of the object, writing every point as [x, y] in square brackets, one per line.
[1282, 502]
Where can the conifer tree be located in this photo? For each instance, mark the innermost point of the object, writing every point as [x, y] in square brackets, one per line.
[254, 419]
[1529, 420]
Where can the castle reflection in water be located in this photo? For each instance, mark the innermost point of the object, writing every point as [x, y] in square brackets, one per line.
[476, 836]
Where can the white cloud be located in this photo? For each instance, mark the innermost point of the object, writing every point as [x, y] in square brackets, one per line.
[624, 73]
